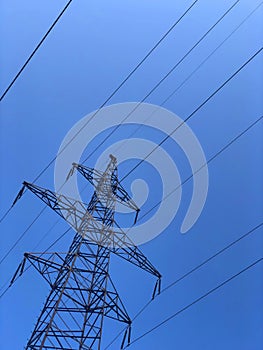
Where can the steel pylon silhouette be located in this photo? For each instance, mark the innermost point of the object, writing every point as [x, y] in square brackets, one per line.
[82, 292]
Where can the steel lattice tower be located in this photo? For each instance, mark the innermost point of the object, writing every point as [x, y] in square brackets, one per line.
[82, 293]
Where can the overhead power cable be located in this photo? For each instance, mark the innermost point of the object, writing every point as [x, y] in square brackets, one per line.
[5, 214]
[162, 80]
[109, 97]
[212, 53]
[116, 90]
[195, 111]
[164, 198]
[35, 50]
[22, 235]
[211, 291]
[105, 102]
[185, 120]
[159, 202]
[205, 164]
[190, 272]
[28, 228]
[192, 73]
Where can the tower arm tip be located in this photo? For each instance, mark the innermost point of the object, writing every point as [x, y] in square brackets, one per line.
[20, 194]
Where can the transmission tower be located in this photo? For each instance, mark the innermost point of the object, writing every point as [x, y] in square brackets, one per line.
[82, 292]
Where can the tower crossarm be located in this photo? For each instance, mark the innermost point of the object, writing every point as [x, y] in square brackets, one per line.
[94, 176]
[134, 255]
[82, 293]
[70, 209]
[81, 219]
[73, 211]
[48, 267]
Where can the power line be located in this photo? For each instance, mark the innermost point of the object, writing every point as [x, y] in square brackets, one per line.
[35, 50]
[105, 102]
[217, 253]
[195, 301]
[190, 272]
[110, 96]
[162, 80]
[22, 235]
[238, 136]
[210, 160]
[236, 28]
[207, 260]
[24, 66]
[26, 230]
[117, 89]
[163, 199]
[195, 111]
[159, 143]
[195, 70]
[5, 214]
[200, 106]
[46, 234]
[211, 54]
[158, 203]
[213, 256]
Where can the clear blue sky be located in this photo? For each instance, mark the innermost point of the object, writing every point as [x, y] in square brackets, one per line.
[86, 56]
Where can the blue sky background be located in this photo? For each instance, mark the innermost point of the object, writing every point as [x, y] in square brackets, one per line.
[90, 51]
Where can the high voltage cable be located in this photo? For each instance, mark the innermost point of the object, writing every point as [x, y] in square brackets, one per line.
[114, 92]
[163, 199]
[200, 106]
[193, 72]
[214, 255]
[211, 54]
[46, 234]
[35, 50]
[159, 202]
[27, 229]
[117, 89]
[162, 80]
[195, 301]
[190, 272]
[204, 263]
[5, 214]
[22, 235]
[219, 152]
[217, 253]
[110, 96]
[205, 164]
[24, 66]
[195, 111]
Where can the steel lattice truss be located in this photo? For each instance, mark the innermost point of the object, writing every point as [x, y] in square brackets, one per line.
[82, 293]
